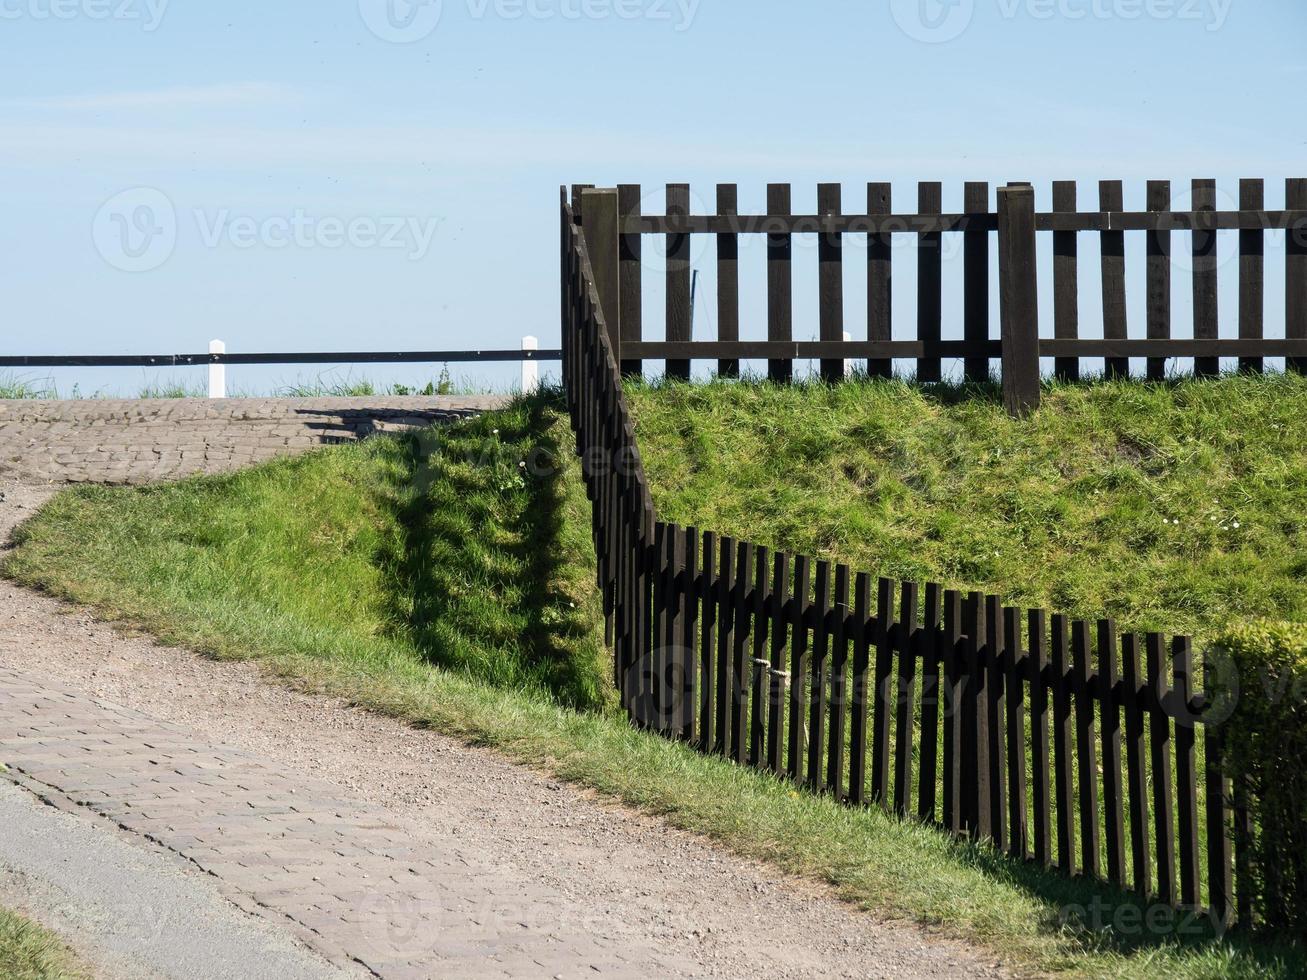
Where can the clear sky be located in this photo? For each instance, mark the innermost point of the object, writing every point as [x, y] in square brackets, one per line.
[346, 174]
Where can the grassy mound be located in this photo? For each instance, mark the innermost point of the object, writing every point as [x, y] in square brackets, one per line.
[446, 580]
[1172, 507]
[422, 550]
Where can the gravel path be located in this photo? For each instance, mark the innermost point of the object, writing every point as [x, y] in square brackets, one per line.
[603, 881]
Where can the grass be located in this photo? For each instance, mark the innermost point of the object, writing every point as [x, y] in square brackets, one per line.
[18, 386]
[440, 580]
[1177, 507]
[29, 952]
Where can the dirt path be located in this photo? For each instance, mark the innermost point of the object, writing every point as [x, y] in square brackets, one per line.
[519, 876]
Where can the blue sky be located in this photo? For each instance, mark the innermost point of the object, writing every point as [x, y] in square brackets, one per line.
[348, 174]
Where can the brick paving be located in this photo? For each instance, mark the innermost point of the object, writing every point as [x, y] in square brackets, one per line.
[344, 875]
[147, 440]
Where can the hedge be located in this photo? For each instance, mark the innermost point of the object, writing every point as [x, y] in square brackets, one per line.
[1266, 750]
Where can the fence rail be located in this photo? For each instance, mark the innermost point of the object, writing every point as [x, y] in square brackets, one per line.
[218, 357]
[1061, 742]
[616, 225]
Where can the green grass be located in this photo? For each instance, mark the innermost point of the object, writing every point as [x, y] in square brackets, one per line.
[18, 386]
[28, 952]
[439, 580]
[1178, 507]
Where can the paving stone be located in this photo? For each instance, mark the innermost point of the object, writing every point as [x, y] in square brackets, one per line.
[345, 873]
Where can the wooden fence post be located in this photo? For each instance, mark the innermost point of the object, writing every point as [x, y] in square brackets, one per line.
[599, 225]
[1019, 298]
[217, 371]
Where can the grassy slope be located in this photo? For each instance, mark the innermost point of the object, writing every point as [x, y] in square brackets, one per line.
[28, 952]
[313, 566]
[1169, 507]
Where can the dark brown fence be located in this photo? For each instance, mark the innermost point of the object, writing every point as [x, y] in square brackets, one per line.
[1064, 743]
[1018, 345]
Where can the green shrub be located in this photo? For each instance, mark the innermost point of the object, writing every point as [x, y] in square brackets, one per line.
[1266, 742]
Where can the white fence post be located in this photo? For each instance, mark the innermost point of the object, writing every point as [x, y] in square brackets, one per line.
[848, 362]
[217, 372]
[530, 369]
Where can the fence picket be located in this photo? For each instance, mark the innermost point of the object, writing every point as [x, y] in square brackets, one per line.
[880, 736]
[1037, 629]
[1252, 272]
[800, 614]
[975, 289]
[1160, 744]
[742, 636]
[1205, 279]
[631, 262]
[862, 639]
[817, 675]
[904, 697]
[1110, 732]
[1111, 198]
[1136, 764]
[975, 719]
[726, 585]
[777, 674]
[688, 643]
[678, 312]
[1186, 774]
[930, 285]
[951, 671]
[1159, 277]
[839, 667]
[879, 281]
[1066, 282]
[1295, 278]
[830, 274]
[1016, 733]
[996, 720]
[1062, 738]
[708, 593]
[932, 687]
[1086, 754]
[760, 663]
[728, 280]
[780, 283]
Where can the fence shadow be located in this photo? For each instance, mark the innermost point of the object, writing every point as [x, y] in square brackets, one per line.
[478, 581]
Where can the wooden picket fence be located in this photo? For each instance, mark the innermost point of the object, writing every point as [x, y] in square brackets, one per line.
[616, 228]
[1060, 742]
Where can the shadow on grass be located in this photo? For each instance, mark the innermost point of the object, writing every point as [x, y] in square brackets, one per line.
[479, 583]
[1105, 918]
